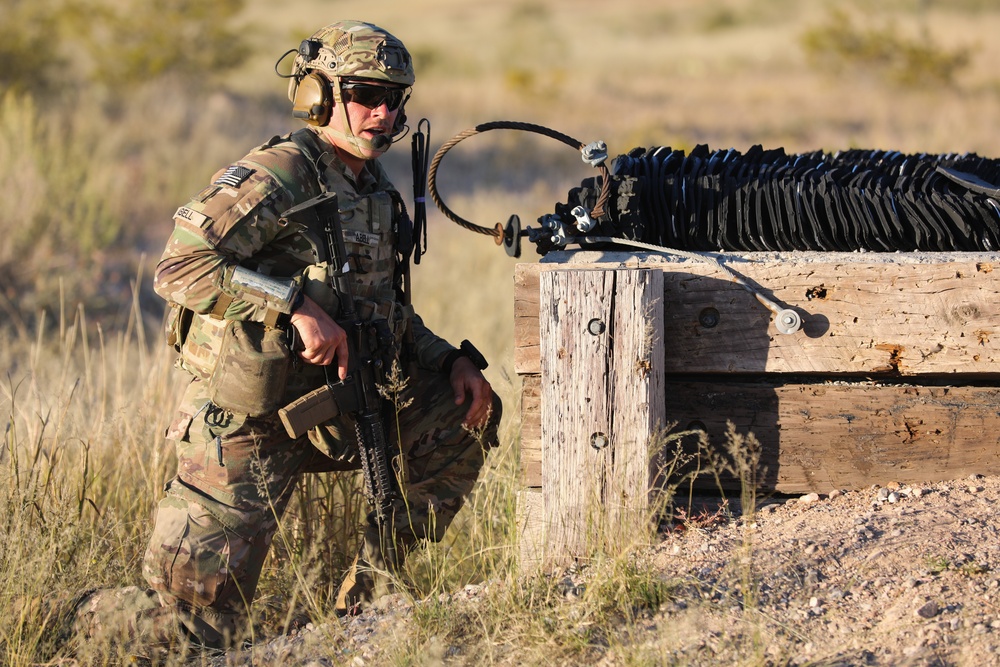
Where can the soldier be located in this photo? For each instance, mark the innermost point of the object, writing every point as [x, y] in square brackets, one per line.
[235, 269]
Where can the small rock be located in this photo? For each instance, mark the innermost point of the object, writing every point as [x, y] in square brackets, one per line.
[883, 494]
[674, 607]
[916, 492]
[836, 493]
[809, 499]
[893, 497]
[892, 486]
[929, 609]
[813, 602]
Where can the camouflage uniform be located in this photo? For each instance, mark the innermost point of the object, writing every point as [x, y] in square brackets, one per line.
[237, 471]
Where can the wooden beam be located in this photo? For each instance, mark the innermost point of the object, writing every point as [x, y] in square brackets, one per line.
[527, 358]
[931, 313]
[531, 431]
[818, 437]
[602, 399]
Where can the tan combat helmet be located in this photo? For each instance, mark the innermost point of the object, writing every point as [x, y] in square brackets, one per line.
[346, 50]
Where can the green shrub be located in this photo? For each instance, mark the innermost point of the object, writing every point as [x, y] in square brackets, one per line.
[135, 41]
[840, 45]
[720, 18]
[27, 61]
[118, 44]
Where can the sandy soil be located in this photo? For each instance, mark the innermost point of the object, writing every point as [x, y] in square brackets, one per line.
[886, 576]
[891, 575]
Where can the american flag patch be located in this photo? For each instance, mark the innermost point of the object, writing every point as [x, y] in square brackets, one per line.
[234, 176]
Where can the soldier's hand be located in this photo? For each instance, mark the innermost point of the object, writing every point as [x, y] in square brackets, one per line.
[466, 379]
[323, 340]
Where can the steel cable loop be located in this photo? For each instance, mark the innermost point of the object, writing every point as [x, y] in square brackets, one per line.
[497, 231]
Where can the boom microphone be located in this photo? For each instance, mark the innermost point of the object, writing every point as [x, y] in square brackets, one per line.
[380, 142]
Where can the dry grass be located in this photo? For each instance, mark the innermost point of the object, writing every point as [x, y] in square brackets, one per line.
[83, 459]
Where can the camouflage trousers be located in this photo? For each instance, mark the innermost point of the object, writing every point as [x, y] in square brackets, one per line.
[235, 477]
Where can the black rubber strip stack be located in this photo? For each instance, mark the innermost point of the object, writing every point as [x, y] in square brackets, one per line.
[768, 200]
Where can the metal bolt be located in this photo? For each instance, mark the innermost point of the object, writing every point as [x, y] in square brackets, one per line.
[596, 327]
[787, 321]
[709, 317]
[598, 440]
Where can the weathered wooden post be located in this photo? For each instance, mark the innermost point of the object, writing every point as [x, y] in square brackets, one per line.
[602, 402]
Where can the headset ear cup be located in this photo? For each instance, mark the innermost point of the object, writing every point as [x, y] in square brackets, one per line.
[313, 100]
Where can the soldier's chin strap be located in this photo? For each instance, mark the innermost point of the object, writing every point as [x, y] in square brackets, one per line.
[379, 145]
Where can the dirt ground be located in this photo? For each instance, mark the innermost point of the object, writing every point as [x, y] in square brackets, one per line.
[890, 575]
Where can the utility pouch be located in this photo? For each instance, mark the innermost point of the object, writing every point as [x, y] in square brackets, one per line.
[177, 325]
[251, 372]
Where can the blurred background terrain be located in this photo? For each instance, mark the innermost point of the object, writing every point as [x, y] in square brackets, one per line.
[113, 114]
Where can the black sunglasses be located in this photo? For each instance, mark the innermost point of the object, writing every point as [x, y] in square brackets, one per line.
[371, 97]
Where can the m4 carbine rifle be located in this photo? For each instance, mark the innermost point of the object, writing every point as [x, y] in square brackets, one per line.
[371, 350]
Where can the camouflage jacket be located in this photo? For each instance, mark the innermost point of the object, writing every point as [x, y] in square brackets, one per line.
[236, 221]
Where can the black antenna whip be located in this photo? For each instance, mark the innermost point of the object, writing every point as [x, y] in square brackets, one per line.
[421, 158]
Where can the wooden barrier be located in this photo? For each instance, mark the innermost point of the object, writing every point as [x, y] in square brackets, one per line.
[895, 375]
[602, 381]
